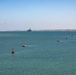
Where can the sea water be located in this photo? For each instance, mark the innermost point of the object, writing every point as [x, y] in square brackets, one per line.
[46, 53]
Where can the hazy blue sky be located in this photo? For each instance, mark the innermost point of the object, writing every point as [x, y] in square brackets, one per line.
[37, 14]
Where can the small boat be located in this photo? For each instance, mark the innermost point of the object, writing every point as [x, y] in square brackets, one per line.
[24, 46]
[59, 41]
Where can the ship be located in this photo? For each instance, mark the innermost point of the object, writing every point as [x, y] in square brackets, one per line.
[29, 30]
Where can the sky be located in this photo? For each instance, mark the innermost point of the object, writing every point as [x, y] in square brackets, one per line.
[37, 14]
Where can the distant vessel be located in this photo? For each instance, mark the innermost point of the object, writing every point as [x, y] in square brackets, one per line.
[24, 46]
[29, 30]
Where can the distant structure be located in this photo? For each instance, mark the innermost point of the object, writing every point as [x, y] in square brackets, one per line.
[29, 30]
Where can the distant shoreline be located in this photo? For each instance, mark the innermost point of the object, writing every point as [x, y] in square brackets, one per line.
[40, 30]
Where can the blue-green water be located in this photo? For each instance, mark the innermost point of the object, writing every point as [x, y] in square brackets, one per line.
[42, 56]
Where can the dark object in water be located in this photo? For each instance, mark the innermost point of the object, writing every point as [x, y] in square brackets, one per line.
[66, 38]
[29, 30]
[24, 46]
[12, 51]
[58, 41]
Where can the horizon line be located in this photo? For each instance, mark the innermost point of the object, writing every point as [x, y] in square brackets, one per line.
[41, 30]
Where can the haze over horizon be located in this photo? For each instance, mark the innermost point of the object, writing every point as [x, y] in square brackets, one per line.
[37, 14]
